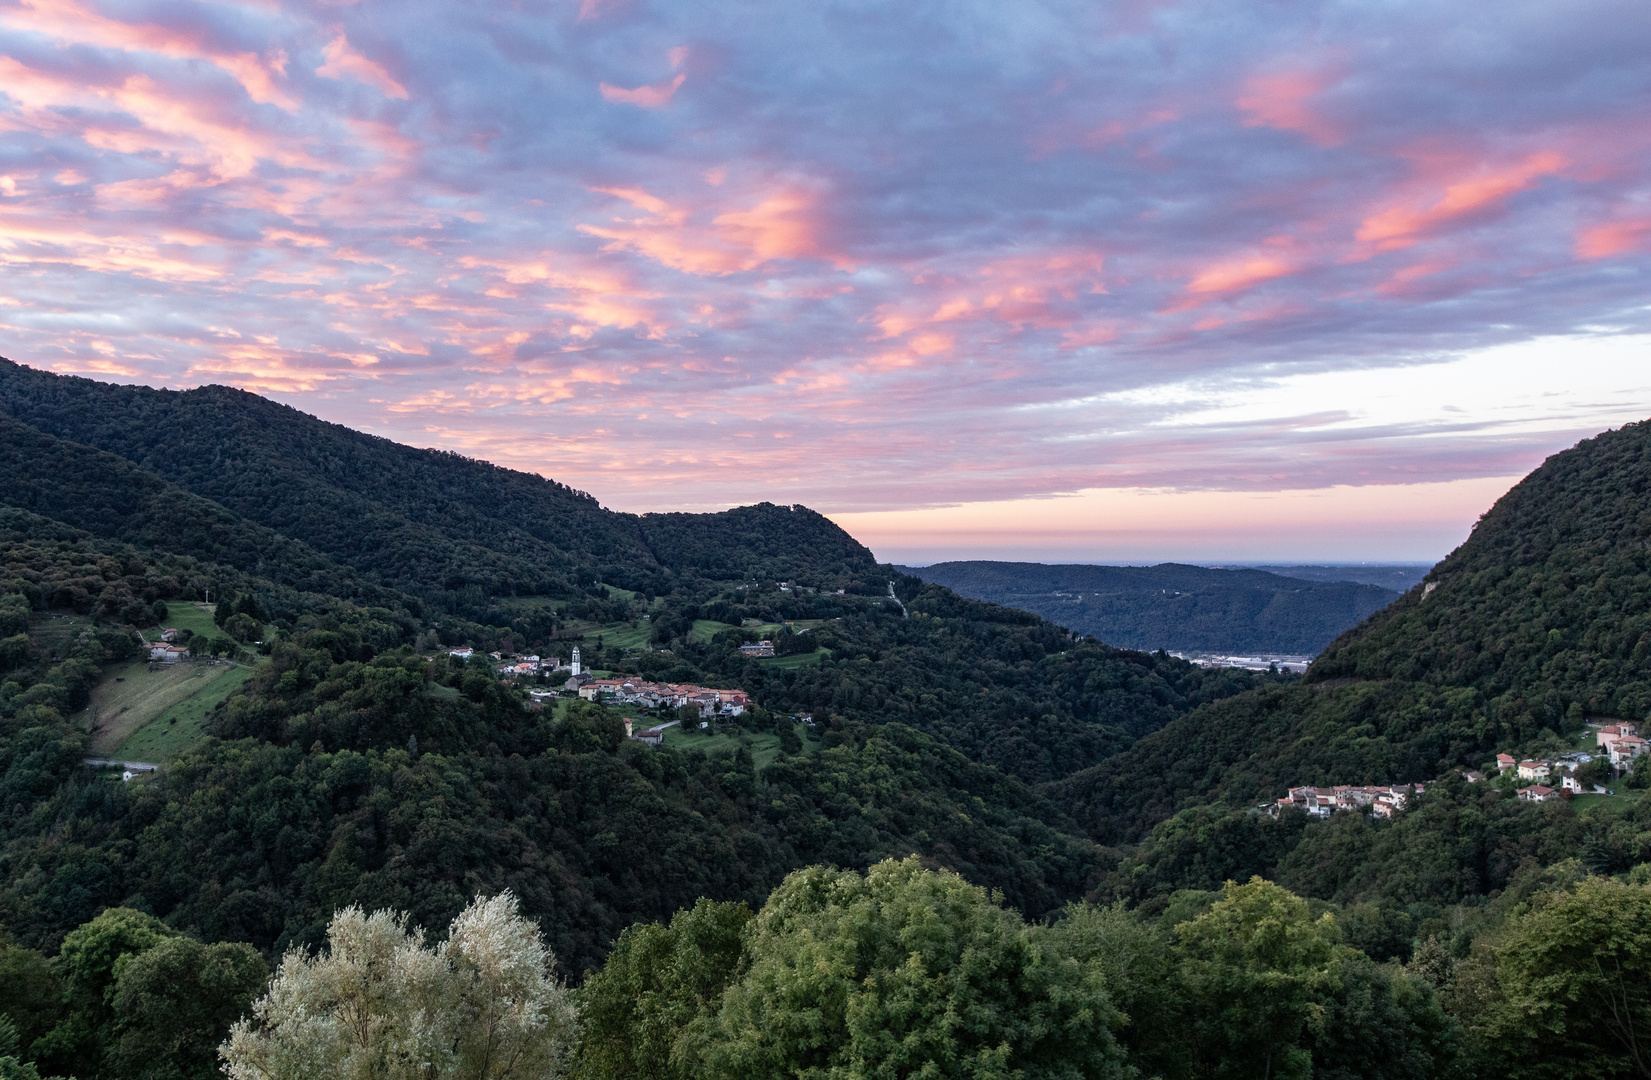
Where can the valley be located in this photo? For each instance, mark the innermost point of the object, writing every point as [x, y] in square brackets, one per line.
[342, 733]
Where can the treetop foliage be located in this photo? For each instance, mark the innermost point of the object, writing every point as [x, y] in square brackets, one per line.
[377, 1003]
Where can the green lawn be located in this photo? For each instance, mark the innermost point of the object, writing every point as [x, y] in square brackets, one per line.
[178, 727]
[1622, 797]
[614, 635]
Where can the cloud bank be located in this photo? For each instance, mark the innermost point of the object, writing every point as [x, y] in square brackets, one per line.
[870, 257]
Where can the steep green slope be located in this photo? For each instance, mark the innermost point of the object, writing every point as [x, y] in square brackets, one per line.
[350, 770]
[1546, 609]
[1172, 606]
[107, 496]
[1540, 620]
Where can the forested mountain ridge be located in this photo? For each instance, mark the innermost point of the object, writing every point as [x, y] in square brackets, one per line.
[420, 520]
[1171, 605]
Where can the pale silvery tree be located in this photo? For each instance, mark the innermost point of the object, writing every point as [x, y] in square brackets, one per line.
[377, 1005]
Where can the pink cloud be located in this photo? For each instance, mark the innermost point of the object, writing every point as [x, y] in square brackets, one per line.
[1468, 191]
[70, 22]
[931, 292]
[344, 62]
[782, 225]
[1036, 291]
[1238, 274]
[1280, 101]
[656, 96]
[1614, 238]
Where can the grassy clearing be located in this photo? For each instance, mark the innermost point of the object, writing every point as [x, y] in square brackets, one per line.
[799, 660]
[625, 636]
[706, 629]
[131, 696]
[614, 635]
[187, 615]
[764, 747]
[179, 727]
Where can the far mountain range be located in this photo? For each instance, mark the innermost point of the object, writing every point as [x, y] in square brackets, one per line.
[1286, 610]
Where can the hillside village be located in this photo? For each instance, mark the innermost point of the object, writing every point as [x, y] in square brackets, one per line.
[1620, 743]
[703, 701]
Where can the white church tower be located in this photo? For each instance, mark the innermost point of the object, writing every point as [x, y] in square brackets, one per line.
[576, 661]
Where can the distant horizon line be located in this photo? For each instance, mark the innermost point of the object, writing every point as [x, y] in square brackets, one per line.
[1227, 564]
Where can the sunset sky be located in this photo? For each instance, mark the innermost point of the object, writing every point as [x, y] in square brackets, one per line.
[1081, 281]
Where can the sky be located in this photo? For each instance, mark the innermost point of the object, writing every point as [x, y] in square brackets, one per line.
[1131, 281]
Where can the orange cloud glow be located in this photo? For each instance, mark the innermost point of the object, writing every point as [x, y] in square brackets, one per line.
[1482, 189]
[1239, 274]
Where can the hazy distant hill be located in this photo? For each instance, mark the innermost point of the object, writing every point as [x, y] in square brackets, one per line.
[1400, 577]
[1172, 606]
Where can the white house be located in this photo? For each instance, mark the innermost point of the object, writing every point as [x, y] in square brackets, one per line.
[1537, 793]
[1533, 770]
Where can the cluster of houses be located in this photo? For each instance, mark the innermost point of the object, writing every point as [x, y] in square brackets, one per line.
[1620, 742]
[1321, 802]
[626, 690]
[649, 695]
[529, 665]
[517, 665]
